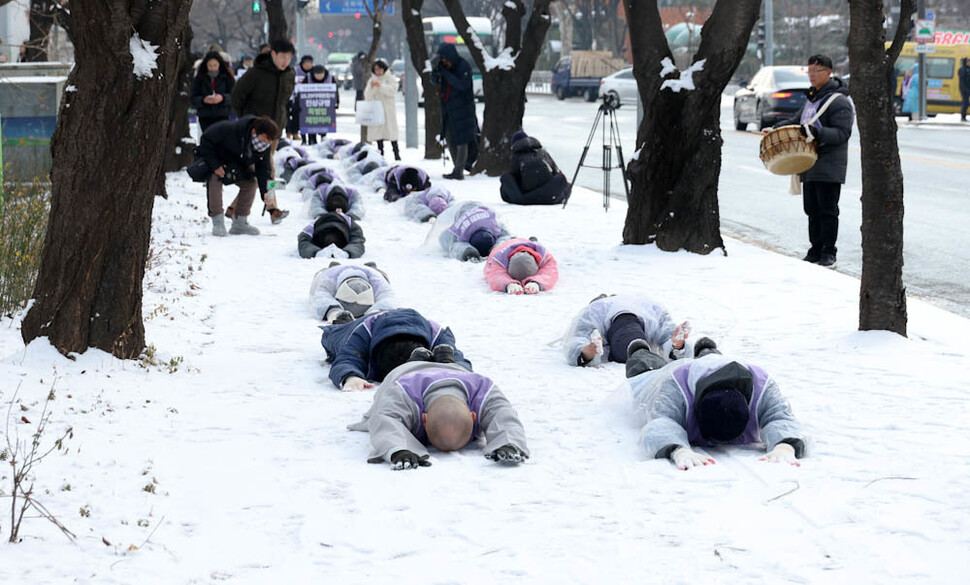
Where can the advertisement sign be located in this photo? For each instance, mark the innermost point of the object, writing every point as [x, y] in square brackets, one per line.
[318, 108]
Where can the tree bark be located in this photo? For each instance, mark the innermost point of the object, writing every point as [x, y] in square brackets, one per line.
[565, 29]
[179, 147]
[504, 88]
[40, 19]
[107, 151]
[278, 29]
[674, 176]
[882, 295]
[411, 14]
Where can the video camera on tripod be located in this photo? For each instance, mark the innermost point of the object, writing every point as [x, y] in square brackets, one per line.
[611, 103]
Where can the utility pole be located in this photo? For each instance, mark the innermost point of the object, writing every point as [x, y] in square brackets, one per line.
[300, 28]
[769, 33]
[411, 81]
[921, 61]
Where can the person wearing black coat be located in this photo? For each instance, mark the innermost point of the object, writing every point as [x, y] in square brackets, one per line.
[237, 153]
[825, 119]
[964, 75]
[533, 177]
[211, 90]
[459, 126]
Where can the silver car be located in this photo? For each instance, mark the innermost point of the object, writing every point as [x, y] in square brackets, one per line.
[621, 84]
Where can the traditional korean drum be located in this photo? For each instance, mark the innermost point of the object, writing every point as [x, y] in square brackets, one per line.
[785, 151]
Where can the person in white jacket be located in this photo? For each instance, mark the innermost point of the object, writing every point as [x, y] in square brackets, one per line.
[383, 88]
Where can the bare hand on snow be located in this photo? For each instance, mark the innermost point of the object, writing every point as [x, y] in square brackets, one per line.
[782, 453]
[685, 458]
[355, 384]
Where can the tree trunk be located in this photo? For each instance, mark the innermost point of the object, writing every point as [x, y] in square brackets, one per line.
[411, 14]
[278, 29]
[565, 30]
[674, 177]
[107, 151]
[504, 88]
[882, 296]
[40, 19]
[179, 146]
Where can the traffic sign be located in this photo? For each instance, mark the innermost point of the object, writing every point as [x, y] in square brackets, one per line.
[925, 30]
[930, 15]
[925, 48]
[350, 6]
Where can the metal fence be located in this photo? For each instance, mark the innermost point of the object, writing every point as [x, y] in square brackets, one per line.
[540, 82]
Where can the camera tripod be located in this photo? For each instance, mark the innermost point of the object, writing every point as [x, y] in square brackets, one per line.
[611, 140]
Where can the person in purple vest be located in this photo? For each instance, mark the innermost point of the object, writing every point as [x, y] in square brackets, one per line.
[428, 204]
[365, 350]
[341, 293]
[444, 405]
[332, 235]
[401, 180]
[710, 400]
[332, 197]
[473, 233]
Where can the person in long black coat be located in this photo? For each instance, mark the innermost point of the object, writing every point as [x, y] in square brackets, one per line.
[533, 177]
[964, 76]
[453, 75]
[211, 90]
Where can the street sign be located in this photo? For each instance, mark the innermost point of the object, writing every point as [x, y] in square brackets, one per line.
[350, 6]
[925, 48]
[925, 30]
[930, 15]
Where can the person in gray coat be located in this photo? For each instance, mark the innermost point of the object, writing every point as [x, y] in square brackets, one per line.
[341, 293]
[333, 235]
[825, 119]
[710, 400]
[442, 404]
[605, 328]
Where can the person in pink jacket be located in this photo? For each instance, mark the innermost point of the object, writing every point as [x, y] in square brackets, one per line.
[518, 266]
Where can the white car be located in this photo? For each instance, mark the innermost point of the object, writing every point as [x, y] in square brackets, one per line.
[621, 84]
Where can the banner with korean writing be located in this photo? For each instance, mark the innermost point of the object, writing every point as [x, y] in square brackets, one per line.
[318, 108]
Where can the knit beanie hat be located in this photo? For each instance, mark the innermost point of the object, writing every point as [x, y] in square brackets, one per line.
[337, 199]
[722, 414]
[482, 240]
[438, 204]
[522, 265]
[355, 295]
[331, 228]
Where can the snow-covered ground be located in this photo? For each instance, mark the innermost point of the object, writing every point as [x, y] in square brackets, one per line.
[230, 462]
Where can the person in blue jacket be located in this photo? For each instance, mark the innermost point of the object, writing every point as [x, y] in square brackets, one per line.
[453, 76]
[364, 351]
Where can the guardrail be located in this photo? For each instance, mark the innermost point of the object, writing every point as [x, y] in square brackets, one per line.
[540, 82]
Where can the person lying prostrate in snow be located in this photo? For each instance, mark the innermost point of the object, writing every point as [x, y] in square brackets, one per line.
[321, 177]
[401, 180]
[332, 235]
[341, 293]
[473, 233]
[423, 402]
[533, 177]
[520, 266]
[710, 400]
[427, 204]
[366, 350]
[336, 198]
[292, 164]
[605, 328]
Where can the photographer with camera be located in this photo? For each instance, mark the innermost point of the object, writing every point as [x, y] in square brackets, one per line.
[459, 122]
[237, 153]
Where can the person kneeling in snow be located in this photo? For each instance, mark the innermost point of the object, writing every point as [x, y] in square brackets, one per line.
[709, 400]
[402, 180]
[533, 177]
[368, 349]
[473, 234]
[344, 292]
[428, 204]
[519, 266]
[423, 402]
[336, 198]
[606, 327]
[332, 235]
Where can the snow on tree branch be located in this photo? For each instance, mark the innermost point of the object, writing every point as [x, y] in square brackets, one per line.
[144, 57]
[686, 81]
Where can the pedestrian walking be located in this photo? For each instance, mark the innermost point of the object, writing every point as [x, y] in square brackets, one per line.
[453, 76]
[382, 87]
[211, 90]
[826, 119]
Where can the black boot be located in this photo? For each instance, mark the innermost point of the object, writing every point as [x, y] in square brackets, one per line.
[421, 354]
[397, 152]
[704, 346]
[461, 155]
[380, 147]
[444, 354]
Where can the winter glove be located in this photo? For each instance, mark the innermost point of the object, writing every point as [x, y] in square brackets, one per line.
[343, 317]
[471, 254]
[355, 384]
[532, 288]
[507, 454]
[782, 453]
[685, 458]
[514, 288]
[405, 459]
[808, 131]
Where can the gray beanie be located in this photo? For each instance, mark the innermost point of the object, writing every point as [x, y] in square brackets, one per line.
[522, 265]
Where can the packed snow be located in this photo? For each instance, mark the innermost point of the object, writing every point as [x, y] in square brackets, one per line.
[143, 56]
[225, 456]
[686, 80]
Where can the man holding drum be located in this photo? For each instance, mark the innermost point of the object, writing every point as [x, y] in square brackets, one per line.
[826, 119]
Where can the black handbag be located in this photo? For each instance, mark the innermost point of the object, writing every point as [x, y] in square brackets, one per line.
[199, 170]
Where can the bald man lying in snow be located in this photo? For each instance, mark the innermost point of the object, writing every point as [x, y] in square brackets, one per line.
[442, 404]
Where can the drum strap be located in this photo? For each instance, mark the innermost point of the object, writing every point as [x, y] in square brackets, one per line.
[824, 107]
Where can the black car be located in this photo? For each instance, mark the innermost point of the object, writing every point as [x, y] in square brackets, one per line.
[774, 94]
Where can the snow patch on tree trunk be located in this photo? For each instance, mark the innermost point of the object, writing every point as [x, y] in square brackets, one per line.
[686, 81]
[504, 60]
[144, 57]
